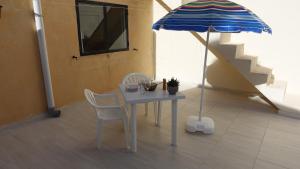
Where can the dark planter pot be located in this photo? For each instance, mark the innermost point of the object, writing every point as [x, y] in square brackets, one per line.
[172, 90]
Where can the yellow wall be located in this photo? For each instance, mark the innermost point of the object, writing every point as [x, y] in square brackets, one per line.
[21, 75]
[101, 72]
[21, 89]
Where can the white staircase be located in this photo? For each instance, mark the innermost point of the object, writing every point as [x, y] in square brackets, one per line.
[273, 91]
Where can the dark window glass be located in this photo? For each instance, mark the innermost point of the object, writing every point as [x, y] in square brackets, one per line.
[103, 27]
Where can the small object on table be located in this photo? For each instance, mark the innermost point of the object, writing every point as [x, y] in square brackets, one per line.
[164, 84]
[150, 86]
[173, 86]
[132, 87]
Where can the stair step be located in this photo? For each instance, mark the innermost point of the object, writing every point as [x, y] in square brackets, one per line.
[271, 79]
[261, 69]
[248, 57]
[243, 66]
[225, 37]
[261, 77]
[231, 50]
[253, 60]
[231, 43]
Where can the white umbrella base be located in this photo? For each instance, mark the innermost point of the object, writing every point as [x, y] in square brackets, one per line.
[206, 125]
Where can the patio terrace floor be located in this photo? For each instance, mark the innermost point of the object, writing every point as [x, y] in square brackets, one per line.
[249, 135]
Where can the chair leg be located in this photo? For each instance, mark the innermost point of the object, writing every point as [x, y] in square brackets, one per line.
[155, 112]
[159, 113]
[99, 133]
[127, 107]
[126, 130]
[146, 109]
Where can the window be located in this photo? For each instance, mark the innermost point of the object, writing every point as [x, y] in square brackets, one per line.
[102, 27]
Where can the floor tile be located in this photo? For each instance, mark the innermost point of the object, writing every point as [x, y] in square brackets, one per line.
[248, 135]
[260, 164]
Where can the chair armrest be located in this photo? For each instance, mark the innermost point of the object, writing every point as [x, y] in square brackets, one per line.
[107, 107]
[106, 95]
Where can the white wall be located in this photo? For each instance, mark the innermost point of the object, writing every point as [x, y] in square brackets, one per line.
[178, 54]
[181, 55]
[280, 50]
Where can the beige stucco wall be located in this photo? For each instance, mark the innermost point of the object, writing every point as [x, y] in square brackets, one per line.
[21, 77]
[21, 89]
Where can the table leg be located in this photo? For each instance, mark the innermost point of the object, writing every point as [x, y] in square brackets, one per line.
[133, 128]
[174, 123]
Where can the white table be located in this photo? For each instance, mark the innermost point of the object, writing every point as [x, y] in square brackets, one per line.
[134, 98]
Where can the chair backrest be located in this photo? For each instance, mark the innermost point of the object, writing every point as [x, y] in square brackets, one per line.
[134, 78]
[89, 95]
[103, 112]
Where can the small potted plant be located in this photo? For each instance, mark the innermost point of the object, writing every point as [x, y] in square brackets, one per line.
[173, 86]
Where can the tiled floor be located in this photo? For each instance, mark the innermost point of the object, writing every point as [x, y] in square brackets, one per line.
[248, 136]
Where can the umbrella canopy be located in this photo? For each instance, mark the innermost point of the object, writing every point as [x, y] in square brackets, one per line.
[210, 16]
[219, 15]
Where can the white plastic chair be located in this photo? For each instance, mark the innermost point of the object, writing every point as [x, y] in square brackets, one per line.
[107, 113]
[137, 78]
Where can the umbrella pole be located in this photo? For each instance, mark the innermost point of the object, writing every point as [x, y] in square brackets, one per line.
[204, 75]
[199, 123]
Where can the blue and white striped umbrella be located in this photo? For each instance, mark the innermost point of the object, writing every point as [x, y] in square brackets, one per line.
[218, 15]
[210, 16]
